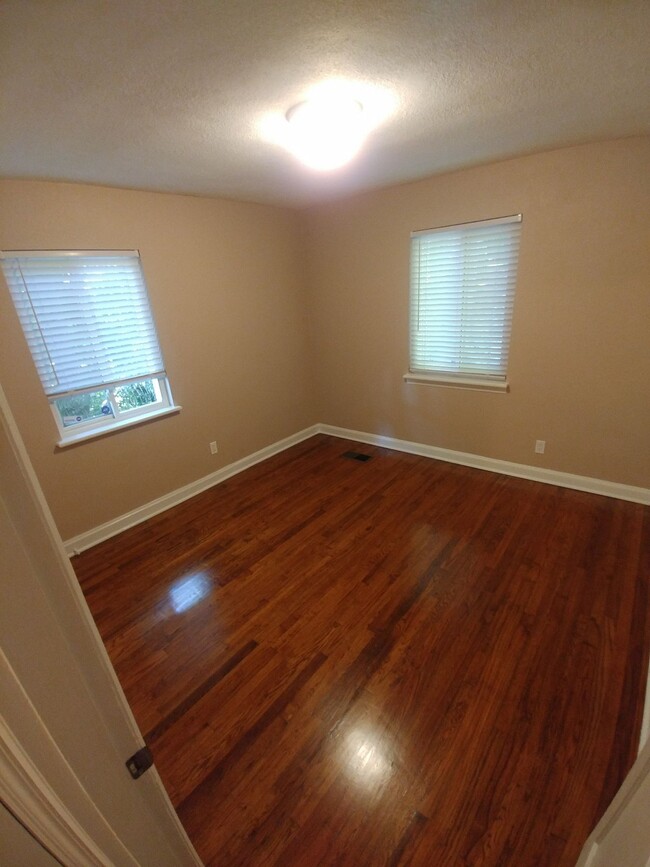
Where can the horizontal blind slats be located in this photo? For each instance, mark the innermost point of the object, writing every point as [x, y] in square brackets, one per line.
[87, 319]
[462, 297]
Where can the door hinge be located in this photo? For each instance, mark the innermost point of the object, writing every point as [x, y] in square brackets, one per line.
[140, 762]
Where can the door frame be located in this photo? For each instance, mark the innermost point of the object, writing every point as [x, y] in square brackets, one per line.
[615, 813]
[28, 795]
[51, 808]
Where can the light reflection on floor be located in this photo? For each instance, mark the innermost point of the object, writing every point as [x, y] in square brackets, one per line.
[189, 590]
[366, 758]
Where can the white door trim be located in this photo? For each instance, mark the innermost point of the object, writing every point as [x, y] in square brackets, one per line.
[32, 800]
[25, 738]
[54, 549]
[616, 812]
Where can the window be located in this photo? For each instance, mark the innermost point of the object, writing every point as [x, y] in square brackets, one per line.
[88, 323]
[462, 295]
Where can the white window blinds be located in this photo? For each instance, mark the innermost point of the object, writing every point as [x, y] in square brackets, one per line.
[462, 294]
[86, 317]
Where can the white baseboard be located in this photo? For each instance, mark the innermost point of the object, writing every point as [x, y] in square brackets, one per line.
[645, 724]
[537, 474]
[522, 471]
[111, 528]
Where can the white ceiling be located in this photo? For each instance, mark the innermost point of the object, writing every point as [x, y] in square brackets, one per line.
[169, 95]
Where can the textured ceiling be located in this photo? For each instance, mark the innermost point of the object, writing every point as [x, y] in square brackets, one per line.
[165, 95]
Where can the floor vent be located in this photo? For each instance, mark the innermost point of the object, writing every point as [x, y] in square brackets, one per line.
[357, 456]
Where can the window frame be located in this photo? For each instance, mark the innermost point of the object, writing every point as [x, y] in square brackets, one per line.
[70, 434]
[466, 379]
[118, 419]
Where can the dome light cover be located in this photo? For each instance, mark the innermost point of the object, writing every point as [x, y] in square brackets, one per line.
[326, 132]
[328, 127]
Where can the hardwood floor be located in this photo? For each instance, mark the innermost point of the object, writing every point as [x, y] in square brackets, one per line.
[400, 661]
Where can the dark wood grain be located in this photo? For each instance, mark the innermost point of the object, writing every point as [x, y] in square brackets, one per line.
[394, 662]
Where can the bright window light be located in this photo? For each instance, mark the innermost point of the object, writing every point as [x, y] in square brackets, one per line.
[88, 323]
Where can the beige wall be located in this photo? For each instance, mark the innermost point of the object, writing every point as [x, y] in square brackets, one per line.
[271, 320]
[580, 356]
[226, 286]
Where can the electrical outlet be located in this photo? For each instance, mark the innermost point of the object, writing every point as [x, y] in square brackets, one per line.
[540, 445]
[213, 448]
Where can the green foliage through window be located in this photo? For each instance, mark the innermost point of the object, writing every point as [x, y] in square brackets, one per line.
[135, 394]
[84, 407]
[78, 408]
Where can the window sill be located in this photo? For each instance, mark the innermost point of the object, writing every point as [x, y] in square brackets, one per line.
[468, 382]
[80, 437]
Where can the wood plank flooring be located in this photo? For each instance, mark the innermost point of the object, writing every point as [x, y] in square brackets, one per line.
[394, 662]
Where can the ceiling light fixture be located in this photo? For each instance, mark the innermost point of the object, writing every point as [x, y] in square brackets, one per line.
[326, 132]
[326, 129]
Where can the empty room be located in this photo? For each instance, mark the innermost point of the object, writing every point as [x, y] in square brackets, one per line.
[325, 454]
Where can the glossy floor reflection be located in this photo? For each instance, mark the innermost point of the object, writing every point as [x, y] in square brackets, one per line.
[384, 663]
[189, 591]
